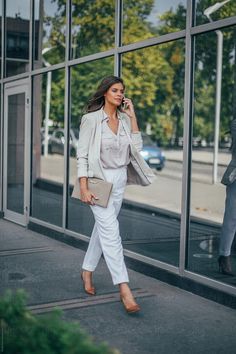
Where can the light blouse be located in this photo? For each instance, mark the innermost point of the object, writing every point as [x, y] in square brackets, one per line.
[115, 148]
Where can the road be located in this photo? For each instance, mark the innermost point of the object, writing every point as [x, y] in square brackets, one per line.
[207, 200]
[200, 172]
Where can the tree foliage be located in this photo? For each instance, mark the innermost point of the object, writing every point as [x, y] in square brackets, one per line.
[154, 76]
[25, 333]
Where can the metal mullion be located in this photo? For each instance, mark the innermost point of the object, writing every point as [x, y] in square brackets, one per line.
[154, 262]
[123, 49]
[92, 57]
[188, 92]
[3, 39]
[48, 68]
[30, 149]
[46, 224]
[211, 26]
[2, 105]
[4, 34]
[1, 150]
[31, 35]
[230, 289]
[15, 77]
[66, 115]
[28, 142]
[27, 151]
[152, 41]
[118, 28]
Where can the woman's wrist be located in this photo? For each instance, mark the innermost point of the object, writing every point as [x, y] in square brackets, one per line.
[83, 183]
[132, 116]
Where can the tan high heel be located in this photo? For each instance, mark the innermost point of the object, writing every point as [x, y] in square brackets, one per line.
[90, 291]
[130, 309]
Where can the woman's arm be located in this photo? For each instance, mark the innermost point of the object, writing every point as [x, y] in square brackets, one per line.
[135, 132]
[129, 110]
[83, 147]
[86, 128]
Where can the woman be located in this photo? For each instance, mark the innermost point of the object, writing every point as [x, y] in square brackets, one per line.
[108, 148]
[229, 223]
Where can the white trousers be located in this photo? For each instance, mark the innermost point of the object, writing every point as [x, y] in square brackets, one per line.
[229, 223]
[105, 237]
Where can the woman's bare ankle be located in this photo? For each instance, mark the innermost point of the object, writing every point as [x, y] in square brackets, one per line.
[125, 289]
[87, 273]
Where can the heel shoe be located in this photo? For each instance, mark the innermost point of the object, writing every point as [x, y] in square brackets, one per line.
[130, 309]
[225, 265]
[90, 291]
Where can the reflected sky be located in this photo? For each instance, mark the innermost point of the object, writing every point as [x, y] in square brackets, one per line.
[21, 8]
[18, 8]
[161, 6]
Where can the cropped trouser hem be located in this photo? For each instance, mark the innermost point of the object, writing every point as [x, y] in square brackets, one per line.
[105, 237]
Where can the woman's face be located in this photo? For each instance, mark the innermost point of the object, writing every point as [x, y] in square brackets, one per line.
[115, 94]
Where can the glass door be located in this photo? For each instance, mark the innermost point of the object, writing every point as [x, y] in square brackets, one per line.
[16, 148]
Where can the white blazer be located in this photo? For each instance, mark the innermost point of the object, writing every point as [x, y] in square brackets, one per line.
[88, 151]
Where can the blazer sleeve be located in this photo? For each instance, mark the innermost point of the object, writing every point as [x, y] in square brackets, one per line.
[136, 138]
[85, 133]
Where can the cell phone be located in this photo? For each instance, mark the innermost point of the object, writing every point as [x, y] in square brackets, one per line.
[123, 105]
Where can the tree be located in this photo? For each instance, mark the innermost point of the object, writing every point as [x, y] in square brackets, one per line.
[154, 76]
[23, 332]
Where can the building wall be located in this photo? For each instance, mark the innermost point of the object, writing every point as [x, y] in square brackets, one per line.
[166, 52]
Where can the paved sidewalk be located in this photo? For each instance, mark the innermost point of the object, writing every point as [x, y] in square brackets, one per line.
[171, 320]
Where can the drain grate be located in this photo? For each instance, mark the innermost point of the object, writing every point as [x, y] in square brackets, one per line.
[24, 251]
[85, 302]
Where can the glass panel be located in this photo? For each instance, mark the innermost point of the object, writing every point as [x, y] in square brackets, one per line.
[17, 36]
[215, 10]
[48, 148]
[150, 216]
[151, 18]
[93, 27]
[1, 38]
[15, 152]
[207, 197]
[1, 147]
[49, 32]
[84, 80]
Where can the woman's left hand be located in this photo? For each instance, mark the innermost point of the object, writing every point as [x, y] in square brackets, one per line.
[128, 108]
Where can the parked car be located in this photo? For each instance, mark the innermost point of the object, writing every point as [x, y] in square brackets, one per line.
[152, 154]
[56, 142]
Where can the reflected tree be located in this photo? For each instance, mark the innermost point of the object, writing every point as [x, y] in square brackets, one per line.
[205, 75]
[154, 76]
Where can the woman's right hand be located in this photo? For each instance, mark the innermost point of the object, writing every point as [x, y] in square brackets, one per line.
[87, 196]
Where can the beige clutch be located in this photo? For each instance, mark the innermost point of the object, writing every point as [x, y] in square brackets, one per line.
[102, 189]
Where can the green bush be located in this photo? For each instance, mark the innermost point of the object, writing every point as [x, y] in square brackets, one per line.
[25, 333]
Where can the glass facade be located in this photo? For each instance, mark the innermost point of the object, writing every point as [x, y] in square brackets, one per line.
[155, 81]
[181, 77]
[48, 143]
[207, 197]
[49, 32]
[82, 79]
[207, 10]
[17, 22]
[92, 27]
[148, 19]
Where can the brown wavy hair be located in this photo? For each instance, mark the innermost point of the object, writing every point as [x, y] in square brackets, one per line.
[97, 100]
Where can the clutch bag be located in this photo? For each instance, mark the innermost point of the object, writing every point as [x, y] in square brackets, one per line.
[100, 188]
